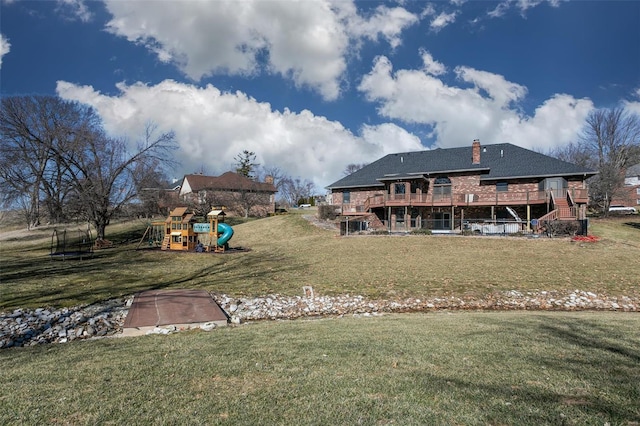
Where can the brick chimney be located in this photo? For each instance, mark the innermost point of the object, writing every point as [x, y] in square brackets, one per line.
[476, 151]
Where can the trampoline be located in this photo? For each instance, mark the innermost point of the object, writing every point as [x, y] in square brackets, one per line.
[76, 244]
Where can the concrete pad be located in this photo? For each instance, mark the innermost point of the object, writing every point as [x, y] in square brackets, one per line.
[182, 309]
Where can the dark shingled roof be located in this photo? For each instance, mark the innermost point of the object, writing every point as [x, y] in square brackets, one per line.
[229, 181]
[633, 171]
[497, 162]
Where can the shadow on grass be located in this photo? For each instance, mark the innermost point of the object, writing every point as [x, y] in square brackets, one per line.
[529, 404]
[601, 360]
[635, 225]
[39, 281]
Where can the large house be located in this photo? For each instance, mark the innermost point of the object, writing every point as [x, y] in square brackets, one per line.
[446, 189]
[240, 195]
[630, 194]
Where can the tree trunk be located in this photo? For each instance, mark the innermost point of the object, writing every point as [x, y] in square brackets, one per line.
[101, 226]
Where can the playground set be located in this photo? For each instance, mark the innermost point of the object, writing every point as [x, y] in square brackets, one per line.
[182, 232]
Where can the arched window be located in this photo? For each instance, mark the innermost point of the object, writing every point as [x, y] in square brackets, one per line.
[442, 187]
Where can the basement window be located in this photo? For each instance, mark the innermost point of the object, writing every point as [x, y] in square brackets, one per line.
[502, 187]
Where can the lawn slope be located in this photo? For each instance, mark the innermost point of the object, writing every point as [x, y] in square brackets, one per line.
[287, 252]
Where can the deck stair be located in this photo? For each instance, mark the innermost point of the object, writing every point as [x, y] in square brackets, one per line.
[562, 211]
[565, 212]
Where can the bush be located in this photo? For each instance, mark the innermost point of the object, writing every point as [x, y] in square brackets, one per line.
[328, 212]
[421, 231]
[561, 227]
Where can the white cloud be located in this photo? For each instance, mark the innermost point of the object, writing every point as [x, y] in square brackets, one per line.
[521, 5]
[495, 86]
[633, 106]
[5, 47]
[388, 22]
[431, 66]
[212, 127]
[487, 110]
[499, 10]
[428, 11]
[442, 20]
[77, 8]
[306, 41]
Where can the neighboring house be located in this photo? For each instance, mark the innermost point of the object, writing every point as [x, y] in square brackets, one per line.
[630, 193]
[240, 195]
[444, 189]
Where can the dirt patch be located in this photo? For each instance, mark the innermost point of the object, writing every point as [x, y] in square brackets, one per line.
[324, 224]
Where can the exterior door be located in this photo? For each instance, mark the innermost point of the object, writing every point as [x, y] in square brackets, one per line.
[557, 185]
[442, 220]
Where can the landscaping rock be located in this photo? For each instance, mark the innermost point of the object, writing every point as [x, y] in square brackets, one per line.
[23, 327]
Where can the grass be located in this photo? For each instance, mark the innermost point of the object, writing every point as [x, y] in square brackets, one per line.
[444, 368]
[439, 368]
[287, 252]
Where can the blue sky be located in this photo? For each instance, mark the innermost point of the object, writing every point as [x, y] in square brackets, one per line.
[311, 86]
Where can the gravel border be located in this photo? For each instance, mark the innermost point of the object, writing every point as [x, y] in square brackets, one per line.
[24, 327]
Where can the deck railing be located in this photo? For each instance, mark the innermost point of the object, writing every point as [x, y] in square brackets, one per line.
[382, 200]
[465, 199]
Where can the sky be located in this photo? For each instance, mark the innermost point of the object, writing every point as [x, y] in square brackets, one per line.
[311, 86]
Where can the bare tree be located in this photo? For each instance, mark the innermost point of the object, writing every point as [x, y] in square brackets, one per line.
[103, 170]
[274, 175]
[247, 196]
[296, 190]
[152, 189]
[575, 153]
[32, 129]
[613, 138]
[352, 168]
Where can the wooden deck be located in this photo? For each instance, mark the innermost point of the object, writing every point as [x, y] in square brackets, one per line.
[460, 200]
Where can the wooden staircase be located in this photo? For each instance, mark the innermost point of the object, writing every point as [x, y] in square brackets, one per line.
[165, 242]
[563, 211]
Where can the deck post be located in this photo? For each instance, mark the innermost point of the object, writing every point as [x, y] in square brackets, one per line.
[453, 218]
[407, 223]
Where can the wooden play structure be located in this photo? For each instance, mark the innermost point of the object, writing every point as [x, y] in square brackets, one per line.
[181, 231]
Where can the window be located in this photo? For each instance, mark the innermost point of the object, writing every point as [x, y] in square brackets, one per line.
[346, 197]
[399, 188]
[638, 191]
[442, 188]
[502, 187]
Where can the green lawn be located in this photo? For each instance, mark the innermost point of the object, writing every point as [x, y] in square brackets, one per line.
[287, 252]
[411, 369]
[441, 368]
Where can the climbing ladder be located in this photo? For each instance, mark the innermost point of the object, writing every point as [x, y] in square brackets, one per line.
[165, 242]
